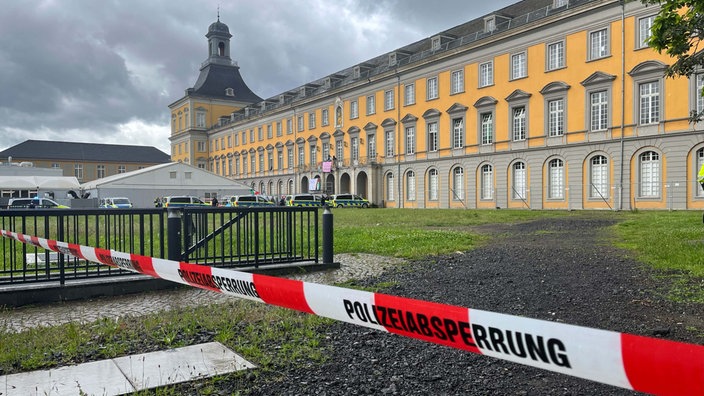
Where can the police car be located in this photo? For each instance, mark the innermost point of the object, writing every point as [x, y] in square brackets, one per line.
[117, 202]
[248, 200]
[304, 200]
[183, 201]
[348, 200]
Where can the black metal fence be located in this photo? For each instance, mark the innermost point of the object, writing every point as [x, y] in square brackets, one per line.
[216, 236]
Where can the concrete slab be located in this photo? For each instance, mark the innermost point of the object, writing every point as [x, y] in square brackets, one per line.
[127, 374]
[95, 378]
[151, 370]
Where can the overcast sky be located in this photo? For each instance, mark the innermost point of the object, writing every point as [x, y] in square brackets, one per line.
[106, 71]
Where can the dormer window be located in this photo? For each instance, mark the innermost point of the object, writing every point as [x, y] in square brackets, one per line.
[392, 59]
[559, 3]
[435, 43]
[229, 92]
[489, 24]
[327, 83]
[357, 72]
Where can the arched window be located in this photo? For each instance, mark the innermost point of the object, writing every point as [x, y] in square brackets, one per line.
[433, 185]
[556, 177]
[410, 186]
[390, 187]
[519, 180]
[487, 182]
[599, 177]
[700, 162]
[458, 184]
[650, 174]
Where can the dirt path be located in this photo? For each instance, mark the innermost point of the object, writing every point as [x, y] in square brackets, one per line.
[553, 269]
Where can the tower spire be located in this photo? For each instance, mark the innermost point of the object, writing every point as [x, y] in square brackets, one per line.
[218, 12]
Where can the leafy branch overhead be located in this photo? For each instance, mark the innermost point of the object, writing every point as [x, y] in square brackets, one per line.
[678, 30]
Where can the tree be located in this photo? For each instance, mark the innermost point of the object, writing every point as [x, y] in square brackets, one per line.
[678, 29]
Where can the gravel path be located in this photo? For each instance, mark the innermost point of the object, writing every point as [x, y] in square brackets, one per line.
[551, 269]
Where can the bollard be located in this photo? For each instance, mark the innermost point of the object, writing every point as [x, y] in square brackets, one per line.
[173, 234]
[327, 235]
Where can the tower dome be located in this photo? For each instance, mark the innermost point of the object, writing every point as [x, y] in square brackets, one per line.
[218, 27]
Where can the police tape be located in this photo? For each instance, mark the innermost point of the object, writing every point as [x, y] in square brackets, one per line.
[628, 361]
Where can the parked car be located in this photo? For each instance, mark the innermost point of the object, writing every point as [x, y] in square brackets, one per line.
[248, 200]
[116, 202]
[182, 201]
[348, 200]
[36, 202]
[304, 200]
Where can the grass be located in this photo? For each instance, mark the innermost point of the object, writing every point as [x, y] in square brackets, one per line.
[275, 338]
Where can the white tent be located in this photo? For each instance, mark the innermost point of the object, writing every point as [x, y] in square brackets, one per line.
[173, 178]
[38, 183]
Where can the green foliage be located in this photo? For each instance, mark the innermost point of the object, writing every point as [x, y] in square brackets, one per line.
[678, 30]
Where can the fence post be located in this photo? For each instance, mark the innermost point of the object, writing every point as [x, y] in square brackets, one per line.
[327, 235]
[173, 234]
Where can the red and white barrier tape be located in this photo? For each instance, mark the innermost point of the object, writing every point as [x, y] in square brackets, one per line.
[628, 361]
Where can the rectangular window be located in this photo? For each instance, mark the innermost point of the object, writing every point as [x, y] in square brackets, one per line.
[371, 147]
[269, 132]
[326, 150]
[100, 171]
[556, 117]
[260, 134]
[519, 65]
[599, 111]
[487, 128]
[371, 104]
[301, 156]
[251, 135]
[201, 146]
[289, 155]
[458, 133]
[311, 120]
[599, 177]
[486, 74]
[229, 141]
[645, 26]
[598, 44]
[556, 55]
[557, 179]
[649, 100]
[325, 115]
[355, 148]
[389, 144]
[261, 162]
[519, 123]
[432, 88]
[409, 94]
[432, 137]
[340, 149]
[354, 109]
[458, 184]
[313, 156]
[78, 171]
[301, 123]
[121, 169]
[410, 140]
[289, 126]
[200, 119]
[388, 100]
[457, 82]
[279, 130]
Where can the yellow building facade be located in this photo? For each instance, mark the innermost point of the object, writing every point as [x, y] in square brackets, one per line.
[544, 104]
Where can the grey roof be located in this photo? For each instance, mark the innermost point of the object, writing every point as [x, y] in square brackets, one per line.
[214, 78]
[512, 16]
[89, 152]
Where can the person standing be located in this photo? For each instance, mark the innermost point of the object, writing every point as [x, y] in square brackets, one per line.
[214, 202]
